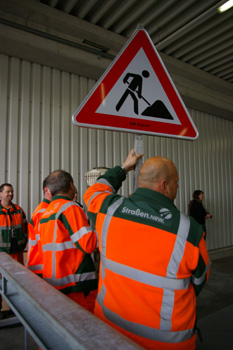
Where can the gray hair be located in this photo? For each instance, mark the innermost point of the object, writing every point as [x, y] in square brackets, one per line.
[59, 182]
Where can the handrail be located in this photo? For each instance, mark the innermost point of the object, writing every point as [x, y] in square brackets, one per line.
[54, 321]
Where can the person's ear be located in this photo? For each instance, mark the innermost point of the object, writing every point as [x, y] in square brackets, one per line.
[48, 193]
[163, 186]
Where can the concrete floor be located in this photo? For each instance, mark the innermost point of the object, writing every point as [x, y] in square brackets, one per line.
[215, 307]
[214, 312]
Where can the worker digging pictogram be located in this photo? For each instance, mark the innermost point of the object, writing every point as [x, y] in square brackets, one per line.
[134, 90]
[136, 94]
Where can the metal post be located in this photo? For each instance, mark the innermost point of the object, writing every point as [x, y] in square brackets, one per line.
[138, 147]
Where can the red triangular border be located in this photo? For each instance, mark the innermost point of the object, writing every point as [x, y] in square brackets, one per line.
[85, 115]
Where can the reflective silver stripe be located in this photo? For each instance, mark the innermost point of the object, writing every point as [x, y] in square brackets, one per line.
[37, 236]
[31, 243]
[101, 295]
[5, 227]
[4, 245]
[166, 310]
[41, 211]
[200, 280]
[95, 194]
[22, 241]
[111, 210]
[35, 267]
[168, 283]
[172, 269]
[97, 239]
[58, 247]
[64, 207]
[17, 226]
[74, 278]
[9, 227]
[53, 248]
[145, 277]
[105, 182]
[147, 332]
[79, 234]
[178, 251]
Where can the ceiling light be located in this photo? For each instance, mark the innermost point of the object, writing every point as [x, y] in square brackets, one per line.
[225, 6]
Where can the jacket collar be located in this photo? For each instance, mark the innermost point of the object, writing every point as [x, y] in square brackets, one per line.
[46, 200]
[13, 207]
[60, 197]
[153, 196]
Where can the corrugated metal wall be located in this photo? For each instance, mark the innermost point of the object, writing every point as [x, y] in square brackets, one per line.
[37, 136]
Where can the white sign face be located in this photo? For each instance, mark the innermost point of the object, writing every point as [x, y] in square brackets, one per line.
[151, 91]
[136, 94]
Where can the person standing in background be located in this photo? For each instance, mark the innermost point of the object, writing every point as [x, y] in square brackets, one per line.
[13, 226]
[197, 211]
[34, 258]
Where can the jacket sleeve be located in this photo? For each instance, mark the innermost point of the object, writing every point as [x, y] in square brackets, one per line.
[31, 240]
[76, 222]
[201, 274]
[107, 184]
[24, 224]
[34, 249]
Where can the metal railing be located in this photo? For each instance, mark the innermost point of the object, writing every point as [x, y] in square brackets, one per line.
[53, 320]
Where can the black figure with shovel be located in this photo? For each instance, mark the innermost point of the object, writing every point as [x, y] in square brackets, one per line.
[157, 109]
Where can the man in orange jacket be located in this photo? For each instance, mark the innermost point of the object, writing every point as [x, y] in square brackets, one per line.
[34, 258]
[13, 226]
[154, 259]
[67, 241]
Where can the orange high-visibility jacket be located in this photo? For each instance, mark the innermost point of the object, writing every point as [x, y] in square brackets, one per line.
[67, 241]
[13, 229]
[34, 259]
[154, 262]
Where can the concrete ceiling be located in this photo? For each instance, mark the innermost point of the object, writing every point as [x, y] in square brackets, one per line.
[191, 31]
[83, 36]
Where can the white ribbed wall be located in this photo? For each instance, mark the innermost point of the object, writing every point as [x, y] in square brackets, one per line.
[37, 136]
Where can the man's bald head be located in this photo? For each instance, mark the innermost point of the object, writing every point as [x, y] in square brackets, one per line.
[159, 174]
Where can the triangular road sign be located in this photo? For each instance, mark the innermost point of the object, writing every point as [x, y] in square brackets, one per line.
[136, 94]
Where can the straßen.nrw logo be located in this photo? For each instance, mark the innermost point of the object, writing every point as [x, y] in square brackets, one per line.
[165, 213]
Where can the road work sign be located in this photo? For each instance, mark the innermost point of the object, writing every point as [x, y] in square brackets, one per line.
[136, 94]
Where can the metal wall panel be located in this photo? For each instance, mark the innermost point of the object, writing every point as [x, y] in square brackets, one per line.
[37, 136]
[3, 115]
